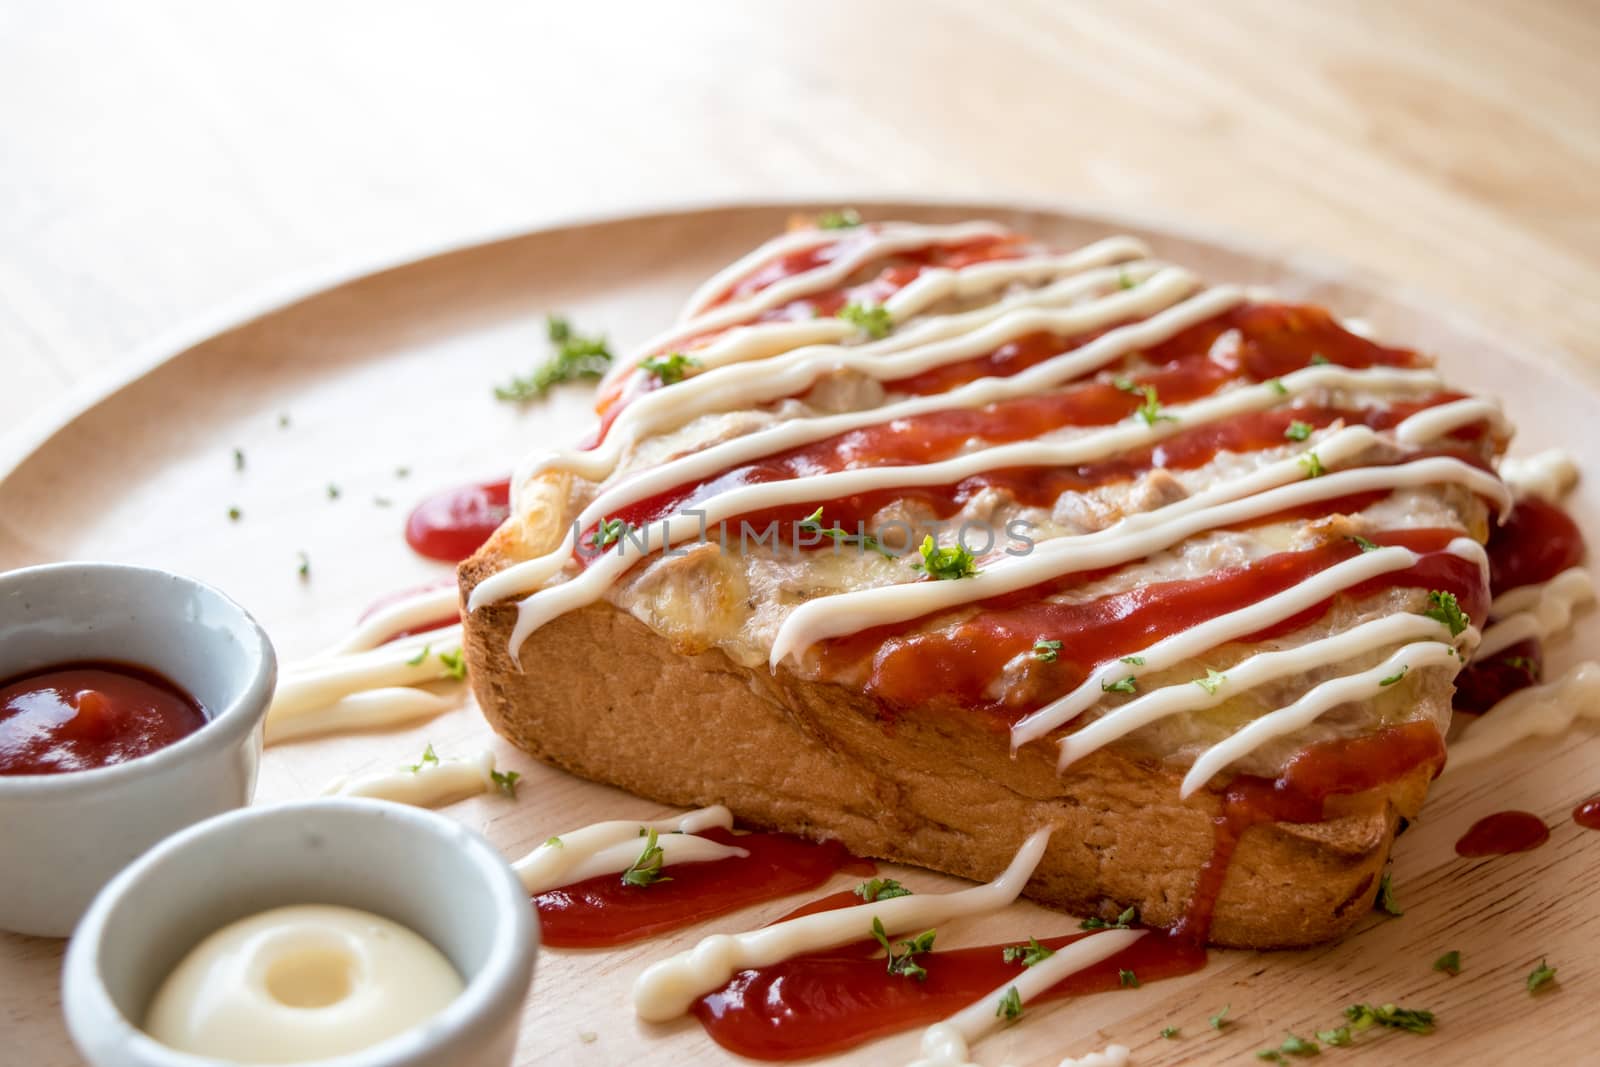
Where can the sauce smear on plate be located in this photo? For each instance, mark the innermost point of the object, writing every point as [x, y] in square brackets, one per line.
[449, 526]
[1503, 833]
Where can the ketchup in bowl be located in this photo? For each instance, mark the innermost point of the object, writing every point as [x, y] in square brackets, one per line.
[78, 716]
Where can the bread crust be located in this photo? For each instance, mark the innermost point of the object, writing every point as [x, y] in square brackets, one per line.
[609, 699]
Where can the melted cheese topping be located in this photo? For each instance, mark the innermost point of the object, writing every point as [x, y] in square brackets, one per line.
[427, 784]
[667, 988]
[296, 984]
[759, 390]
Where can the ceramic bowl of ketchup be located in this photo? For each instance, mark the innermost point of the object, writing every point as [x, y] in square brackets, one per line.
[131, 704]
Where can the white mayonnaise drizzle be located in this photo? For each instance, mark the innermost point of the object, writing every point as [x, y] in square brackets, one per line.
[1432, 423]
[427, 785]
[1550, 474]
[946, 1043]
[1536, 611]
[1259, 669]
[1317, 702]
[612, 847]
[742, 385]
[1542, 711]
[428, 606]
[410, 661]
[1128, 540]
[667, 988]
[366, 710]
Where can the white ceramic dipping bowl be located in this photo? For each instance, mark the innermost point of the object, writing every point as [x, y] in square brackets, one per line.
[420, 869]
[66, 834]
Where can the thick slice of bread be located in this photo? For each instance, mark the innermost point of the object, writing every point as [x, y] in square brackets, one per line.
[608, 698]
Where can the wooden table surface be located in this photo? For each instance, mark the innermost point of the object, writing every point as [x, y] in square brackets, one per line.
[160, 161]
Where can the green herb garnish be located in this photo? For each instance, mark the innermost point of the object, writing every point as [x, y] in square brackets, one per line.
[1010, 1005]
[1366, 1016]
[506, 782]
[1212, 681]
[1319, 360]
[1029, 954]
[669, 369]
[238, 459]
[1277, 386]
[429, 758]
[812, 523]
[1137, 661]
[1169, 1032]
[1126, 685]
[1220, 1019]
[1150, 410]
[1386, 901]
[608, 531]
[1541, 976]
[1046, 651]
[333, 491]
[455, 664]
[952, 562]
[646, 870]
[1444, 608]
[904, 963]
[1449, 963]
[416, 661]
[554, 842]
[1127, 979]
[881, 889]
[874, 321]
[1362, 543]
[1335, 1038]
[1298, 431]
[843, 219]
[572, 357]
[234, 514]
[1312, 465]
[1393, 678]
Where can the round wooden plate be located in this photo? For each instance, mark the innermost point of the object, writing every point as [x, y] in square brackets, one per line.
[350, 404]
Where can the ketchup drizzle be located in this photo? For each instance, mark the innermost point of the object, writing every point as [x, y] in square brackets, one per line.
[1503, 833]
[1587, 814]
[452, 525]
[603, 911]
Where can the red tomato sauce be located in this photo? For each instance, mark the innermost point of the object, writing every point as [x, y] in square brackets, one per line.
[79, 716]
[1587, 814]
[603, 911]
[905, 666]
[830, 1001]
[1503, 833]
[452, 525]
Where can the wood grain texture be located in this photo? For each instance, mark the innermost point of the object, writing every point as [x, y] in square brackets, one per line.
[393, 370]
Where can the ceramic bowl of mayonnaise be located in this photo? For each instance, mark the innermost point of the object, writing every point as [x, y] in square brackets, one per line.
[131, 706]
[339, 932]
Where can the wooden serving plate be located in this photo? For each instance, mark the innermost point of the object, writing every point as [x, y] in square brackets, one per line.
[394, 371]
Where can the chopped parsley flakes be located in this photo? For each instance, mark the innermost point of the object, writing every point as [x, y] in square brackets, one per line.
[844, 219]
[1366, 1016]
[1220, 1019]
[1169, 1032]
[1212, 681]
[1444, 608]
[669, 369]
[416, 661]
[646, 870]
[1046, 651]
[812, 523]
[1541, 976]
[1150, 410]
[1386, 902]
[1312, 464]
[572, 357]
[429, 758]
[1449, 963]
[904, 963]
[1362, 543]
[1298, 431]
[1010, 1005]
[506, 782]
[607, 532]
[874, 321]
[881, 889]
[455, 664]
[952, 562]
[1122, 922]
[1127, 979]
[1029, 954]
[1393, 678]
[1126, 685]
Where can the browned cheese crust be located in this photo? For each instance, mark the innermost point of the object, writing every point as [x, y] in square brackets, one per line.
[605, 697]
